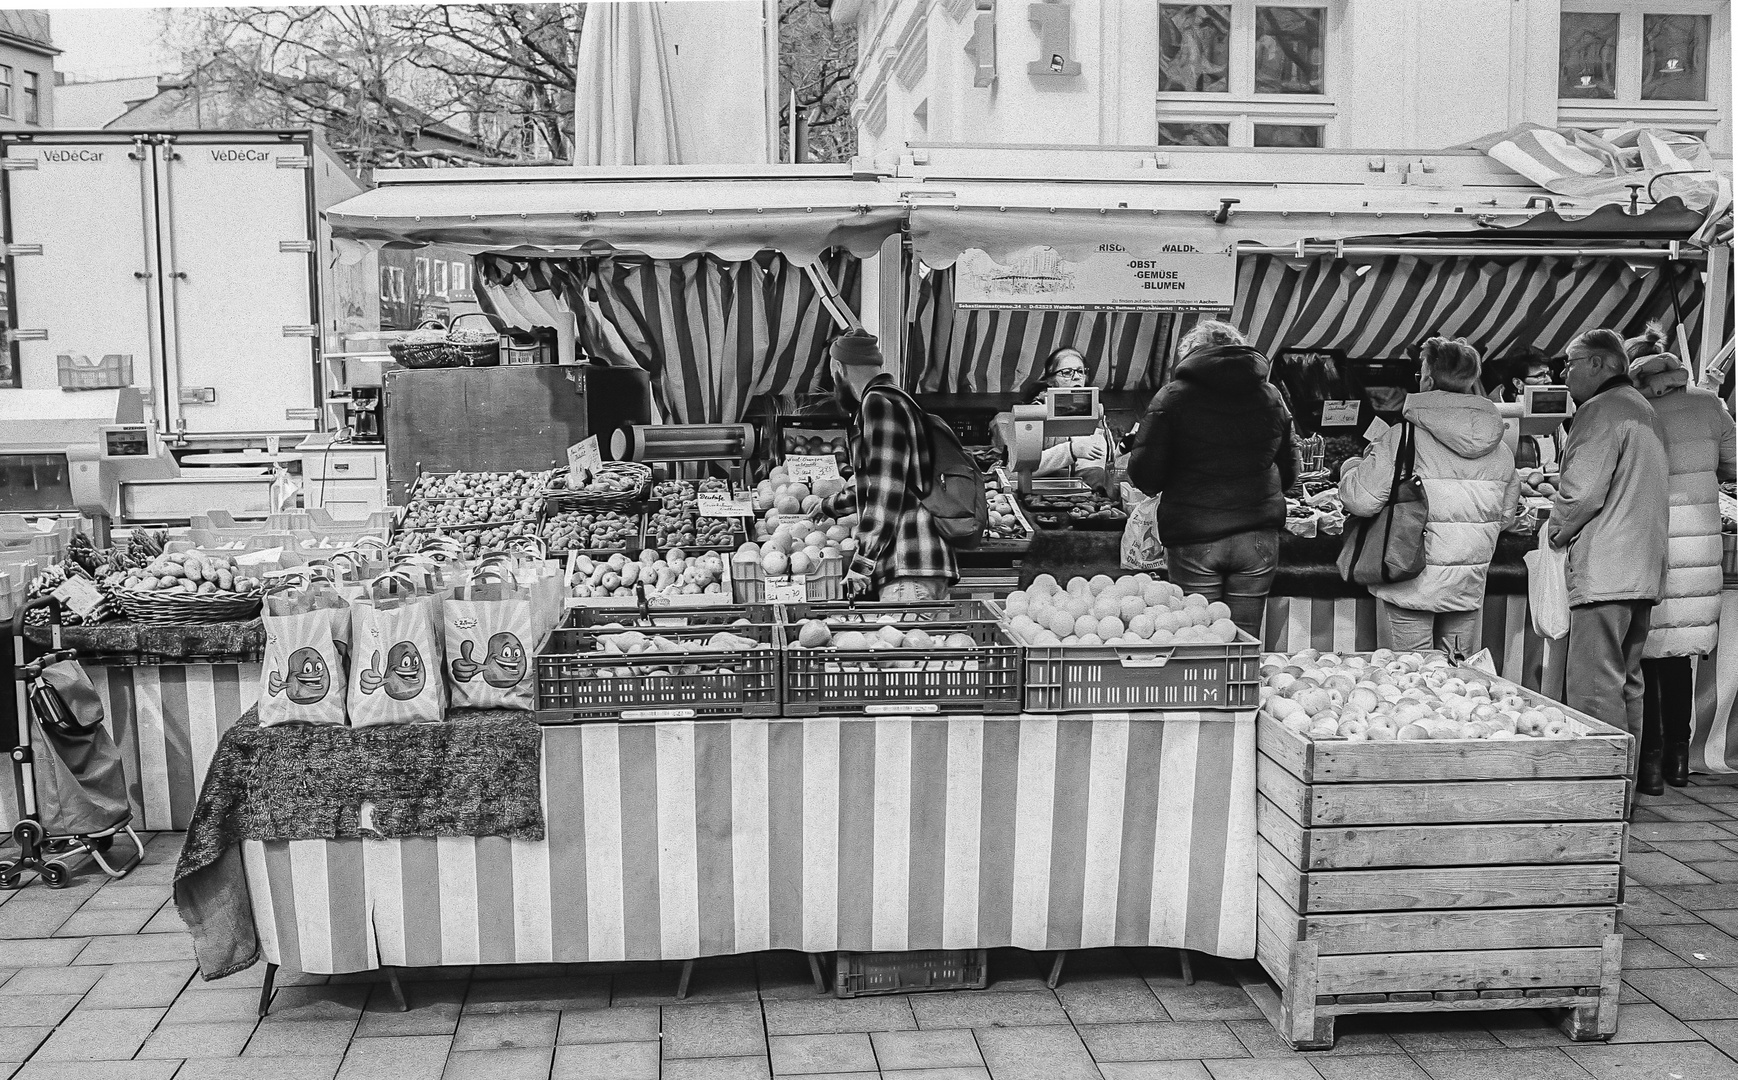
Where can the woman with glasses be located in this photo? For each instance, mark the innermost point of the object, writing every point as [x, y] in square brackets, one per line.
[1087, 457]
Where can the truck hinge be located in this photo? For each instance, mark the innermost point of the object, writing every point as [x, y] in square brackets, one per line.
[26, 335]
[23, 249]
[16, 164]
[301, 247]
[300, 161]
[307, 330]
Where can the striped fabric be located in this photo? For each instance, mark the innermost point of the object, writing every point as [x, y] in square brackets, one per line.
[1499, 305]
[700, 838]
[986, 351]
[714, 334]
[166, 721]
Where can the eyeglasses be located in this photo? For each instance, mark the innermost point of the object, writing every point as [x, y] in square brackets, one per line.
[1071, 373]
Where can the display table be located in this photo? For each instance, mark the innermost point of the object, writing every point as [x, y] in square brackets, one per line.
[681, 839]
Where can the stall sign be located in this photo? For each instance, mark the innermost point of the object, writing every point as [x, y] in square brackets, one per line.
[78, 594]
[807, 468]
[790, 589]
[1340, 413]
[1172, 277]
[584, 458]
[740, 505]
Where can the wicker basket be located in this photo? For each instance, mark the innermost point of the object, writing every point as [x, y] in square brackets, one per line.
[558, 497]
[168, 609]
[449, 353]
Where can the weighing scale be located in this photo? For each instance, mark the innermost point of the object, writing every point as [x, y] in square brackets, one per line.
[95, 454]
[1065, 412]
[1539, 414]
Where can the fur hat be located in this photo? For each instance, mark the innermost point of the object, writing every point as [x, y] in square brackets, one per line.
[859, 348]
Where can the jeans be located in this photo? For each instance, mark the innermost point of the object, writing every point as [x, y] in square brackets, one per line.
[1417, 631]
[1668, 695]
[1237, 569]
[1602, 676]
[907, 590]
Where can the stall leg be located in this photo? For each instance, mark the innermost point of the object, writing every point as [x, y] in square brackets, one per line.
[1187, 966]
[1598, 1019]
[815, 970]
[265, 990]
[682, 984]
[397, 989]
[1056, 969]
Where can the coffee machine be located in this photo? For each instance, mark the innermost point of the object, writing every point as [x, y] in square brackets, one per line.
[362, 415]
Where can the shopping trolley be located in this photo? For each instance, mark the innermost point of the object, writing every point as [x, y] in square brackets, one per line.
[71, 782]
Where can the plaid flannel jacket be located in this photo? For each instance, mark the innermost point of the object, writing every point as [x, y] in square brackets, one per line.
[890, 453]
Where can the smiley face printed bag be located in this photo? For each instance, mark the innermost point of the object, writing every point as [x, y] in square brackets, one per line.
[489, 633]
[307, 626]
[395, 675]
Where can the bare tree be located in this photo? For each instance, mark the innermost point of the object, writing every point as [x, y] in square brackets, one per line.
[819, 61]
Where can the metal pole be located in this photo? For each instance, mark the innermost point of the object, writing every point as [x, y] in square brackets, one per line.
[1341, 250]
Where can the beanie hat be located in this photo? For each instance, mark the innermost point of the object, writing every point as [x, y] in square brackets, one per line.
[859, 348]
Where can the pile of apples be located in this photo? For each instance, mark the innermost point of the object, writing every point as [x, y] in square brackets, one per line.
[1536, 484]
[186, 573]
[1004, 522]
[1399, 697]
[677, 521]
[671, 574]
[885, 637]
[794, 536]
[1134, 610]
[793, 497]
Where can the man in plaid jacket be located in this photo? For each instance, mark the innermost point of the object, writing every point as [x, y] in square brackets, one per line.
[900, 556]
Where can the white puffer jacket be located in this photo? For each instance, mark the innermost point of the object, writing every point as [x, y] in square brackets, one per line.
[1470, 481]
[1700, 452]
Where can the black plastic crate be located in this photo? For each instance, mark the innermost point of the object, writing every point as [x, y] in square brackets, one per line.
[861, 974]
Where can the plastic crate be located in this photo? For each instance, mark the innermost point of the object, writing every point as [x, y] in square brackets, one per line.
[1142, 678]
[861, 974]
[830, 682]
[713, 683]
[112, 372]
[748, 581]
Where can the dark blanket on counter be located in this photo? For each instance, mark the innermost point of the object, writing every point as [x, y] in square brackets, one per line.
[477, 774]
[192, 643]
[1307, 565]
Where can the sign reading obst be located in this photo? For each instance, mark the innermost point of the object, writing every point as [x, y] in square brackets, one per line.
[1113, 277]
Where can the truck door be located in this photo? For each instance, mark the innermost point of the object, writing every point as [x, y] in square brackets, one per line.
[237, 239]
[82, 261]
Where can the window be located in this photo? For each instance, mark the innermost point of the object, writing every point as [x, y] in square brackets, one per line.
[1246, 73]
[1628, 52]
[32, 102]
[459, 279]
[5, 91]
[1587, 56]
[422, 277]
[1674, 57]
[440, 278]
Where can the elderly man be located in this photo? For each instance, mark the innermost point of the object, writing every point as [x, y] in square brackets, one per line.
[1611, 513]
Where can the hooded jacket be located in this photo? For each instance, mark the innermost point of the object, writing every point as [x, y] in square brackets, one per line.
[1700, 453]
[1471, 486]
[1612, 499]
[1216, 445]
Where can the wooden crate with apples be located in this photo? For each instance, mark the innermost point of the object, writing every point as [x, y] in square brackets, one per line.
[1444, 874]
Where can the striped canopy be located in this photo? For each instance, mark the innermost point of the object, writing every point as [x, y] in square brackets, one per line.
[714, 334]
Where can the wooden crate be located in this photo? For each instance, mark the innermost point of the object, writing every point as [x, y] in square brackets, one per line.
[1440, 876]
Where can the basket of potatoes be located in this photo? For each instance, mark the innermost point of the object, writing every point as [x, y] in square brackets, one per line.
[186, 587]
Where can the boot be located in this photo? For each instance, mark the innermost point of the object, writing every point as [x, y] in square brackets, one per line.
[1649, 779]
[1677, 764]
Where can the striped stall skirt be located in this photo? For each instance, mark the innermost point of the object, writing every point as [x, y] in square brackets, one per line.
[679, 839]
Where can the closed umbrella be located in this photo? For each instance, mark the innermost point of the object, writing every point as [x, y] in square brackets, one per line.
[623, 114]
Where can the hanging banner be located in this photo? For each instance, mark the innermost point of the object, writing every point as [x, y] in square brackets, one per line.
[1172, 277]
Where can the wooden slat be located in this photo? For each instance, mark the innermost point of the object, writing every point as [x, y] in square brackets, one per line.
[1289, 750]
[1478, 1004]
[1286, 791]
[1442, 803]
[1281, 875]
[1458, 887]
[1386, 973]
[1447, 931]
[1364, 846]
[1469, 759]
[1286, 836]
[1273, 951]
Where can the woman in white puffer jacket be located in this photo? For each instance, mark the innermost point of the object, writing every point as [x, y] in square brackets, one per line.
[1474, 494]
[1701, 452]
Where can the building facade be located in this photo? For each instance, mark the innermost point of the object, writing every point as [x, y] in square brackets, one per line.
[27, 55]
[1355, 74]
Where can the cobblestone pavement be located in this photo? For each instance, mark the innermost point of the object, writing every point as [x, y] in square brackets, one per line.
[97, 983]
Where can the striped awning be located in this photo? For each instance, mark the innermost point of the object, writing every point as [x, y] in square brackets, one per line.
[714, 334]
[1379, 309]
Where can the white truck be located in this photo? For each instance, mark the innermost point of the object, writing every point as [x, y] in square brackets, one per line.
[193, 265]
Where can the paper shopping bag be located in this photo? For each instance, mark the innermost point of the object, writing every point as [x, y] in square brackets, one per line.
[489, 633]
[395, 643]
[307, 628]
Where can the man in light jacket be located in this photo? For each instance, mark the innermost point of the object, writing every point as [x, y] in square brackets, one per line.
[1611, 512]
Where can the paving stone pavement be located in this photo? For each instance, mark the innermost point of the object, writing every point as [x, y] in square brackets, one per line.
[97, 982]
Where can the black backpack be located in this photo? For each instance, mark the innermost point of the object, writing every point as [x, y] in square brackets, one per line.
[955, 498]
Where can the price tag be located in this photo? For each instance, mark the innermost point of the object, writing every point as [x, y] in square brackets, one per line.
[78, 594]
[806, 468]
[1378, 428]
[724, 506]
[584, 458]
[793, 589]
[1340, 413]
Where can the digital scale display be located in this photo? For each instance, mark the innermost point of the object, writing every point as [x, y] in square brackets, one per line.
[1548, 401]
[126, 442]
[1072, 404]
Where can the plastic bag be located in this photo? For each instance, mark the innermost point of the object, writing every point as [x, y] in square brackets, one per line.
[1548, 587]
[489, 633]
[395, 675]
[1141, 546]
[307, 655]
